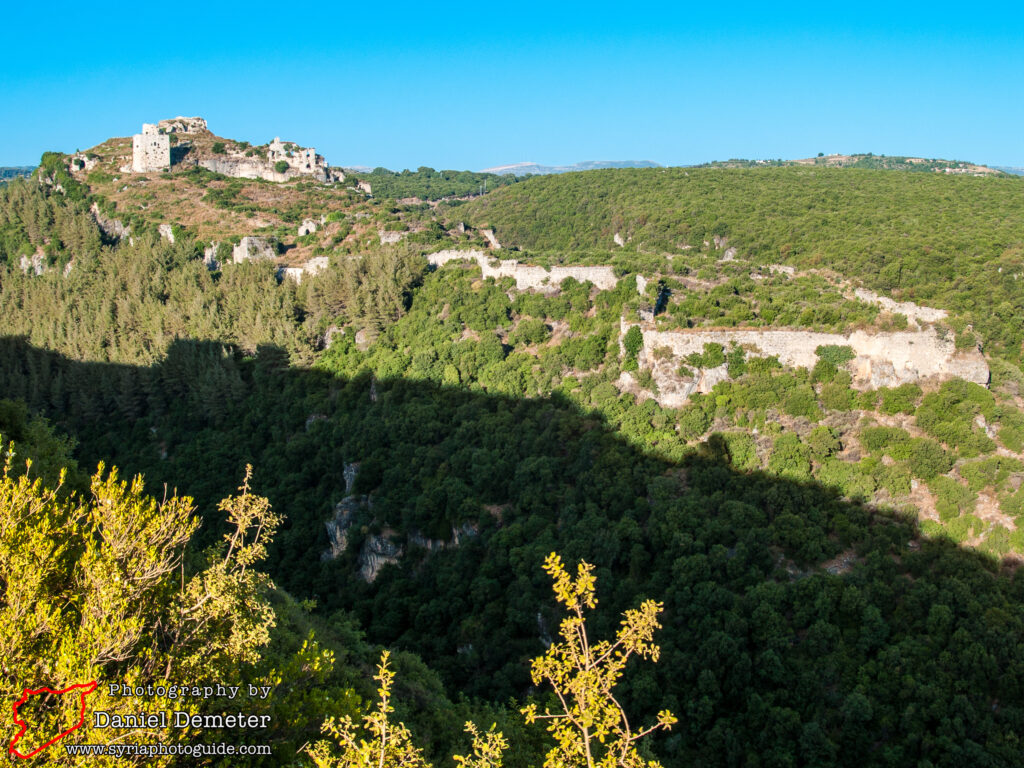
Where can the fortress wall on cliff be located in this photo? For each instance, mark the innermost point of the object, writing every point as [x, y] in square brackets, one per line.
[881, 359]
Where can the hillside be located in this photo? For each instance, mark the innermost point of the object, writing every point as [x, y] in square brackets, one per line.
[869, 161]
[949, 242]
[787, 402]
[526, 169]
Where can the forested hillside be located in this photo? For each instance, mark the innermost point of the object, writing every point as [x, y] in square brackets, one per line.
[426, 437]
[955, 243]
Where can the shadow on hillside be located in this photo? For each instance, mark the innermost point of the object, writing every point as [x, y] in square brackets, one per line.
[780, 591]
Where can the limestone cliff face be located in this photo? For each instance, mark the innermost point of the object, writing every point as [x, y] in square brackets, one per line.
[527, 276]
[377, 550]
[882, 359]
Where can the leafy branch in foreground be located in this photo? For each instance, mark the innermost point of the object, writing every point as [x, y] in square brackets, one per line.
[390, 744]
[593, 729]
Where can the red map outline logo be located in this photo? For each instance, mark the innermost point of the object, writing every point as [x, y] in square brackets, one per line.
[85, 688]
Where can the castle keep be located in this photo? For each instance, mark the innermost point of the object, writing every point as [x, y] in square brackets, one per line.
[151, 150]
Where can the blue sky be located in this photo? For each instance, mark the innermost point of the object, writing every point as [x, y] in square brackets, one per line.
[465, 85]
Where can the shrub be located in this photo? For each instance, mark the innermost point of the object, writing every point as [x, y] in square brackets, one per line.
[218, 148]
[633, 341]
[281, 166]
[837, 397]
[834, 354]
[802, 402]
[530, 331]
[951, 497]
[823, 442]
[902, 399]
[877, 438]
[790, 457]
[928, 459]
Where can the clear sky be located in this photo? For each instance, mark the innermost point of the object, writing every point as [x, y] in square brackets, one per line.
[472, 85]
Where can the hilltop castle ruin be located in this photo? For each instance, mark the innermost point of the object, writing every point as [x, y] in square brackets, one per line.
[280, 161]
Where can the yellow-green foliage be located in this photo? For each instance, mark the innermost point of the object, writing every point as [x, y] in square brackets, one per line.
[384, 744]
[592, 729]
[93, 589]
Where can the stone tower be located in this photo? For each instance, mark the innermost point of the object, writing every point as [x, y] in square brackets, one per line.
[151, 150]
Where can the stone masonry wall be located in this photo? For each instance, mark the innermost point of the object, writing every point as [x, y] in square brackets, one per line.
[150, 152]
[527, 276]
[882, 359]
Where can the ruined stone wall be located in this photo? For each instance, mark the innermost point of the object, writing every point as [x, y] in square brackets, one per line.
[882, 359]
[252, 248]
[240, 167]
[527, 276]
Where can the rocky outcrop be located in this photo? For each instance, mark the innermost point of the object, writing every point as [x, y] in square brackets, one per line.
[166, 232]
[36, 263]
[182, 125]
[389, 238]
[114, 229]
[913, 312]
[527, 276]
[307, 227]
[491, 238]
[881, 359]
[210, 256]
[312, 267]
[251, 248]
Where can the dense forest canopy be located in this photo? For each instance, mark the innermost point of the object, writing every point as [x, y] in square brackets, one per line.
[426, 438]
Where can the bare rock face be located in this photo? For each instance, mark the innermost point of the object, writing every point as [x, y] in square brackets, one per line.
[618, 240]
[489, 235]
[307, 227]
[166, 232]
[112, 228]
[913, 312]
[344, 514]
[251, 248]
[182, 125]
[389, 238]
[210, 256]
[35, 264]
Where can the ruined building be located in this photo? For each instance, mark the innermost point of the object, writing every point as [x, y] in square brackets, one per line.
[151, 150]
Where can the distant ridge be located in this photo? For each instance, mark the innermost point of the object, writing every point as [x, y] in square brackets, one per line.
[14, 171]
[522, 169]
[1009, 169]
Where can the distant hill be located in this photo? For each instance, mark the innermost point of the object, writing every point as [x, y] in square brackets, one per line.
[871, 161]
[534, 169]
[1009, 169]
[14, 171]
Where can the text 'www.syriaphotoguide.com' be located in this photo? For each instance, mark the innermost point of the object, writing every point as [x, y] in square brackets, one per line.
[154, 750]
